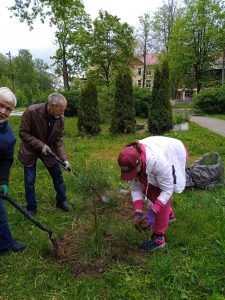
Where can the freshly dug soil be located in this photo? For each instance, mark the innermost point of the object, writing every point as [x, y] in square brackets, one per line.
[112, 248]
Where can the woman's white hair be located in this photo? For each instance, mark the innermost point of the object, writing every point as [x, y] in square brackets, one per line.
[8, 95]
[56, 98]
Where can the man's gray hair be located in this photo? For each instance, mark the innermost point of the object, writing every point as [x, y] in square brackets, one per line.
[7, 94]
[56, 98]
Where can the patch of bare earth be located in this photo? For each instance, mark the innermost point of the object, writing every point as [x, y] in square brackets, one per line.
[113, 249]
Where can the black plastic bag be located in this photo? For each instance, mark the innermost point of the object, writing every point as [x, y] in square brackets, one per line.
[189, 181]
[206, 172]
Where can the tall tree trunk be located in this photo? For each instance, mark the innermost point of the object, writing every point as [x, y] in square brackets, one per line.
[223, 64]
[144, 71]
[65, 71]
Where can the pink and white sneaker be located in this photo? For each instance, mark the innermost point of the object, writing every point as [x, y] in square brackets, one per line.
[157, 242]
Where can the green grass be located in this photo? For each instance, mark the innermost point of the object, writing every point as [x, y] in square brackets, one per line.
[20, 108]
[221, 117]
[191, 267]
[182, 105]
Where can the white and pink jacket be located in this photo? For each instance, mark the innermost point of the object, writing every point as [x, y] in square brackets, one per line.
[165, 161]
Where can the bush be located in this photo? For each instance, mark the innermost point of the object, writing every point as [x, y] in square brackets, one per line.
[123, 119]
[73, 98]
[180, 118]
[43, 97]
[142, 99]
[105, 101]
[210, 101]
[88, 114]
[21, 98]
[160, 117]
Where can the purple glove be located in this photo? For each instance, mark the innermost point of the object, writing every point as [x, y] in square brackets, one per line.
[138, 215]
[137, 220]
[148, 221]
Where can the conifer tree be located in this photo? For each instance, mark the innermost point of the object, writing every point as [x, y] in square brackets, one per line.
[160, 118]
[88, 113]
[123, 119]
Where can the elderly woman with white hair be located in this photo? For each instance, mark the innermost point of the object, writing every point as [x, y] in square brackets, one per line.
[7, 143]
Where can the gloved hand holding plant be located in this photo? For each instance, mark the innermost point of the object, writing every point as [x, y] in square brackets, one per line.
[148, 220]
[137, 220]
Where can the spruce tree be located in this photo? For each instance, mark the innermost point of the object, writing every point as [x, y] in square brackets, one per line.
[88, 113]
[123, 119]
[160, 117]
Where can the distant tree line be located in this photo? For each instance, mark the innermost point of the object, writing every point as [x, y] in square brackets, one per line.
[188, 37]
[190, 33]
[27, 77]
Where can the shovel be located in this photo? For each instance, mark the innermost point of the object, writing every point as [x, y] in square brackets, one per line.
[52, 236]
[62, 163]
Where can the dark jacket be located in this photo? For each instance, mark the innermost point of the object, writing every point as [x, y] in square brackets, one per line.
[34, 133]
[7, 143]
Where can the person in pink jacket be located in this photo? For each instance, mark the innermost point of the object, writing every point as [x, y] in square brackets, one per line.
[155, 168]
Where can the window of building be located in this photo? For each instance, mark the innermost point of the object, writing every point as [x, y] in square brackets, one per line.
[148, 83]
[139, 83]
[148, 72]
[139, 71]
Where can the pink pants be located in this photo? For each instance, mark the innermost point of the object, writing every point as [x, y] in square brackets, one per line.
[162, 218]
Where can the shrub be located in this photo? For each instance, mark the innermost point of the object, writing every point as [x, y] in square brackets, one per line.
[142, 99]
[123, 119]
[160, 117]
[180, 118]
[88, 114]
[73, 97]
[43, 97]
[105, 100]
[210, 101]
[21, 98]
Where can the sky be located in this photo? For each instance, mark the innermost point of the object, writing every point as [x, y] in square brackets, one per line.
[40, 41]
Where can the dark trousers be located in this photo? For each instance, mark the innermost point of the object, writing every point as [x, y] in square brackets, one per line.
[6, 239]
[29, 181]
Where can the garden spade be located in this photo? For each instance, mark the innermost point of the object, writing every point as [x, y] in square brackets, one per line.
[52, 236]
[62, 163]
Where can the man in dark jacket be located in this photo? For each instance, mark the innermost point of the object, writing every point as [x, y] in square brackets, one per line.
[41, 131]
[7, 143]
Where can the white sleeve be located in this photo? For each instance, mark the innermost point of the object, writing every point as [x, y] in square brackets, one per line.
[136, 191]
[164, 178]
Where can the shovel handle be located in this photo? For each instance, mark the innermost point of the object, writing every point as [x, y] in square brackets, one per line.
[24, 212]
[62, 163]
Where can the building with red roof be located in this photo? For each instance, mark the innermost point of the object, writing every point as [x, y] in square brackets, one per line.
[138, 69]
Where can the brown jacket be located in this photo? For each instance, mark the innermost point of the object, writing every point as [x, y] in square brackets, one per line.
[33, 133]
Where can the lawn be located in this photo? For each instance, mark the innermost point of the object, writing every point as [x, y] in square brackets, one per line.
[221, 117]
[192, 266]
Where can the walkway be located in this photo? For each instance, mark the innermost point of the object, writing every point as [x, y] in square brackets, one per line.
[16, 113]
[213, 124]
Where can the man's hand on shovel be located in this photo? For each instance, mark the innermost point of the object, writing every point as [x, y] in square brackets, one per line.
[46, 149]
[67, 166]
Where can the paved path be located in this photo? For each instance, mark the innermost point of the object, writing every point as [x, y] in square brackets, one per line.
[212, 124]
[17, 113]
